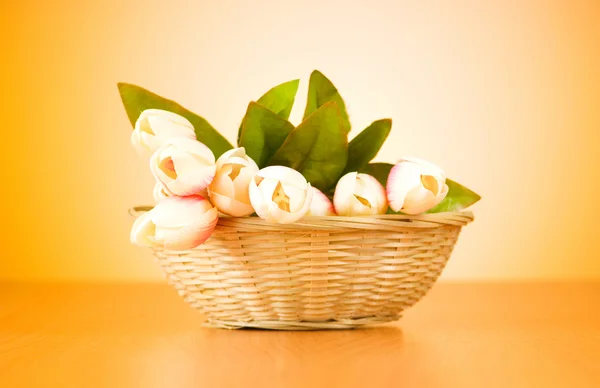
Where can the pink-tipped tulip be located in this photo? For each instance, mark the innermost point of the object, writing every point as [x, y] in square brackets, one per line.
[415, 186]
[320, 204]
[155, 126]
[176, 223]
[280, 194]
[229, 190]
[359, 195]
[183, 166]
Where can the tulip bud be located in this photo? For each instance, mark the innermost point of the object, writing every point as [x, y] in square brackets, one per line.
[155, 126]
[415, 186]
[229, 190]
[177, 223]
[359, 195]
[320, 204]
[280, 194]
[183, 166]
[159, 192]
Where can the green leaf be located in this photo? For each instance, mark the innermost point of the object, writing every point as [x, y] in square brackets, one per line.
[137, 99]
[380, 171]
[263, 132]
[321, 91]
[318, 147]
[458, 198]
[364, 147]
[279, 99]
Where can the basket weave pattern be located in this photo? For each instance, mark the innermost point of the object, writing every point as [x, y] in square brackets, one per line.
[318, 273]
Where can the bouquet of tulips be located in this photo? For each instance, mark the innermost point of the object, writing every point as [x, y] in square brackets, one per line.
[279, 172]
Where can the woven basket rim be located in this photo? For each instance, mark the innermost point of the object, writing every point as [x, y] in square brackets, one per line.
[388, 222]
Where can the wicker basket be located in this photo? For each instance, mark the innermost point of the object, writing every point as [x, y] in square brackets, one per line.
[318, 273]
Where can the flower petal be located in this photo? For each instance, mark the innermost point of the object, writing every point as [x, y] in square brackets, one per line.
[275, 214]
[143, 125]
[192, 174]
[191, 235]
[230, 206]
[440, 197]
[143, 230]
[403, 178]
[178, 211]
[320, 204]
[155, 162]
[370, 189]
[414, 185]
[242, 182]
[259, 201]
[193, 147]
[344, 192]
[286, 183]
[192, 162]
[155, 127]
[222, 183]
[149, 141]
[141, 148]
[296, 196]
[280, 216]
[418, 200]
[159, 192]
[165, 129]
[174, 117]
[237, 153]
[284, 175]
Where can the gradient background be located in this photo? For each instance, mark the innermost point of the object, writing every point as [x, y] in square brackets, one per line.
[505, 95]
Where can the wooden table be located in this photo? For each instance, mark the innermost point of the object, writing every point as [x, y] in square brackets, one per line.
[460, 335]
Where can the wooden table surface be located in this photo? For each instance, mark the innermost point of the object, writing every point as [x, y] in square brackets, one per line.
[460, 335]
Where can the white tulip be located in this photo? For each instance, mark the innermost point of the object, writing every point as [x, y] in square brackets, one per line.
[183, 166]
[159, 192]
[177, 223]
[280, 194]
[155, 126]
[320, 204]
[359, 195]
[415, 186]
[229, 190]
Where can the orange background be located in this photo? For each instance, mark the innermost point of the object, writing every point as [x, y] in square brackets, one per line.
[505, 95]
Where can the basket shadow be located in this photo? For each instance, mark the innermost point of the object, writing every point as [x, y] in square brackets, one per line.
[320, 347]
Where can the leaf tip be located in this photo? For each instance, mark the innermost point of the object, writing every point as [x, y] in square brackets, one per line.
[127, 88]
[316, 74]
[387, 122]
[123, 85]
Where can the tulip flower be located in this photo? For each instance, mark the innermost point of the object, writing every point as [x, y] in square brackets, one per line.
[359, 195]
[159, 192]
[155, 126]
[415, 186]
[229, 190]
[280, 194]
[176, 223]
[183, 166]
[320, 204]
